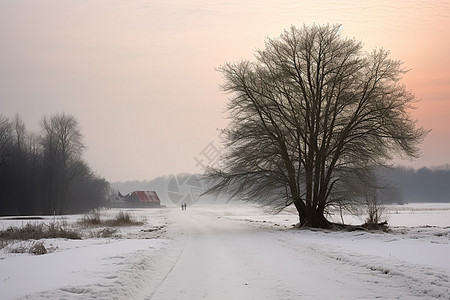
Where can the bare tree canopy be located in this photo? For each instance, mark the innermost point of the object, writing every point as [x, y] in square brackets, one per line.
[62, 137]
[308, 119]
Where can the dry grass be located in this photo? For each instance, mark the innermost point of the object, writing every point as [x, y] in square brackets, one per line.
[92, 218]
[121, 219]
[3, 244]
[31, 233]
[124, 219]
[25, 239]
[103, 233]
[39, 231]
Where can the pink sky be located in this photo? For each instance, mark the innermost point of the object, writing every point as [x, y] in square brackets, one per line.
[140, 75]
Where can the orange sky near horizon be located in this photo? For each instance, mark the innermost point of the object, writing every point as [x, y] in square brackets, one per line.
[140, 75]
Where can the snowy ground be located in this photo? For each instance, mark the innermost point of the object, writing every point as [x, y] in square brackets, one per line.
[238, 251]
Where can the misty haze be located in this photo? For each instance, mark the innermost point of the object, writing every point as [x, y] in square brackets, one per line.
[211, 150]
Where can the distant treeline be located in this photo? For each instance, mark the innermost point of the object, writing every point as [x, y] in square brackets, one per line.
[421, 185]
[401, 185]
[43, 173]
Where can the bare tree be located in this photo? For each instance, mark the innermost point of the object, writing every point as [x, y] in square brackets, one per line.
[19, 134]
[5, 138]
[62, 144]
[310, 118]
[15, 166]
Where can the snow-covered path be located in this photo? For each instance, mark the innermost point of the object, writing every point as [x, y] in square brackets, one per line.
[237, 251]
[224, 258]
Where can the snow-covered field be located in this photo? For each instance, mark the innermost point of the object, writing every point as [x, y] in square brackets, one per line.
[237, 251]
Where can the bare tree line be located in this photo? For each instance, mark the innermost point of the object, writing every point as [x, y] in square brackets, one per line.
[44, 173]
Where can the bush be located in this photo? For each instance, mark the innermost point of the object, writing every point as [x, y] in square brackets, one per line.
[38, 248]
[30, 247]
[91, 218]
[374, 210]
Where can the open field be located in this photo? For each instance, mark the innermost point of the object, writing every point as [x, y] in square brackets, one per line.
[234, 251]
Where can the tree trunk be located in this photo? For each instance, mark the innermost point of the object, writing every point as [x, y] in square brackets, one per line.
[301, 209]
[315, 218]
[310, 216]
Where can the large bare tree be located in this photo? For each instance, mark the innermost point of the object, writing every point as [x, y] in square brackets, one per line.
[309, 118]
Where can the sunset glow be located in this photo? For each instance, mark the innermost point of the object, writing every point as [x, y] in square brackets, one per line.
[140, 75]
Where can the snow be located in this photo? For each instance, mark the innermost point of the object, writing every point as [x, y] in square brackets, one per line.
[237, 251]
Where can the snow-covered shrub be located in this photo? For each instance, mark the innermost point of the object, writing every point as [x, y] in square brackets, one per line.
[38, 248]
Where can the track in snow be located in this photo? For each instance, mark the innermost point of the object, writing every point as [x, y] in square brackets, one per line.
[229, 259]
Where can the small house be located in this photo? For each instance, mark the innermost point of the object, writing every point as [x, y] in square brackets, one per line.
[145, 198]
[138, 199]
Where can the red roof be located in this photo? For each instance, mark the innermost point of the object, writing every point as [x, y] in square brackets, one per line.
[147, 196]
